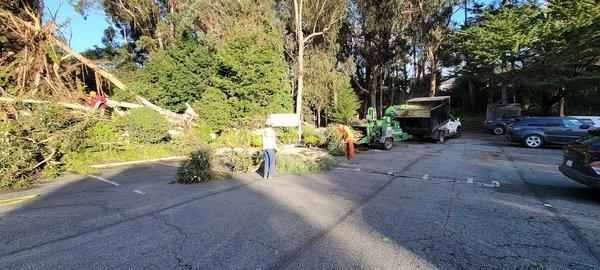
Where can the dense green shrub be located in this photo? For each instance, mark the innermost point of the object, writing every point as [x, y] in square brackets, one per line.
[214, 109]
[344, 110]
[144, 125]
[309, 136]
[335, 147]
[238, 138]
[197, 169]
[287, 135]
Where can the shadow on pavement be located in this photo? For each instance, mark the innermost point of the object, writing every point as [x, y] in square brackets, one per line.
[334, 220]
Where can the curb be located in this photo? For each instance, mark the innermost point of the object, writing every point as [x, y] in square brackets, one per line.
[135, 162]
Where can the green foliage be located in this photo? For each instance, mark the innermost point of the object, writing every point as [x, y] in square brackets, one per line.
[189, 140]
[197, 169]
[215, 109]
[335, 147]
[287, 135]
[323, 80]
[103, 135]
[231, 81]
[35, 137]
[240, 161]
[144, 125]
[16, 155]
[309, 136]
[542, 53]
[344, 110]
[301, 164]
[238, 138]
[251, 72]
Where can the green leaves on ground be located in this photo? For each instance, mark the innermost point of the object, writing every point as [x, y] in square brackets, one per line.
[197, 169]
[144, 125]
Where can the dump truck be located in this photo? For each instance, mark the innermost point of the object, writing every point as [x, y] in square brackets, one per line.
[426, 118]
[379, 132]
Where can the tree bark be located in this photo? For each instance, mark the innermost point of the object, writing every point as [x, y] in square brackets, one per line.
[319, 109]
[471, 91]
[35, 101]
[504, 93]
[300, 61]
[431, 54]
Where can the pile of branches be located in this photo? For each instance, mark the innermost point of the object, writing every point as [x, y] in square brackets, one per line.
[41, 67]
[32, 66]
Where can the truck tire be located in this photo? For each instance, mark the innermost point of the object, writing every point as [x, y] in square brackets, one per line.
[441, 139]
[388, 144]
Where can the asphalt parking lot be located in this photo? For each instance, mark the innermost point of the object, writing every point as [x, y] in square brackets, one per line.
[477, 202]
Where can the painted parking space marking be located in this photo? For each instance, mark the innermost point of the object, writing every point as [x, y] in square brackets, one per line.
[104, 180]
[138, 191]
[469, 180]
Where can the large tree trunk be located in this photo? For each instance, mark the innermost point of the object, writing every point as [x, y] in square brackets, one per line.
[431, 54]
[562, 108]
[504, 93]
[300, 61]
[380, 86]
[471, 91]
[373, 82]
[319, 109]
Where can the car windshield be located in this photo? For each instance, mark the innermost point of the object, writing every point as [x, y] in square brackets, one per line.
[571, 123]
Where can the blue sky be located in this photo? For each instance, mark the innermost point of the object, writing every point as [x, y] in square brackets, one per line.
[85, 33]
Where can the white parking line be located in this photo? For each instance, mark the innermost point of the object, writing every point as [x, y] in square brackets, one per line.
[104, 180]
[138, 191]
[425, 176]
[469, 180]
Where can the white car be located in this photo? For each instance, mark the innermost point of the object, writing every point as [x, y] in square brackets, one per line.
[453, 127]
[590, 120]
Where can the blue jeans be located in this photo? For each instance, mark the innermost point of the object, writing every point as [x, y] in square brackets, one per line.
[269, 155]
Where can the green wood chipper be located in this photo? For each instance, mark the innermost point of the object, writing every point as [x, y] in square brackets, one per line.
[379, 132]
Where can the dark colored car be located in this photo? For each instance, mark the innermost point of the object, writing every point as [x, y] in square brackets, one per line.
[582, 160]
[499, 126]
[534, 132]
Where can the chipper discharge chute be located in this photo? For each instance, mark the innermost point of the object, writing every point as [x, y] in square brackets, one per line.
[380, 132]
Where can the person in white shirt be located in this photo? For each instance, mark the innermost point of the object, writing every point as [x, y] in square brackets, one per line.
[269, 149]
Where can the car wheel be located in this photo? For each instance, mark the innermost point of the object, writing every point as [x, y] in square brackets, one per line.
[534, 141]
[458, 133]
[499, 130]
[441, 137]
[388, 144]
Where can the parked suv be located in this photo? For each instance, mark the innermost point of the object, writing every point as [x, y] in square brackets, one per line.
[582, 160]
[537, 131]
[499, 126]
